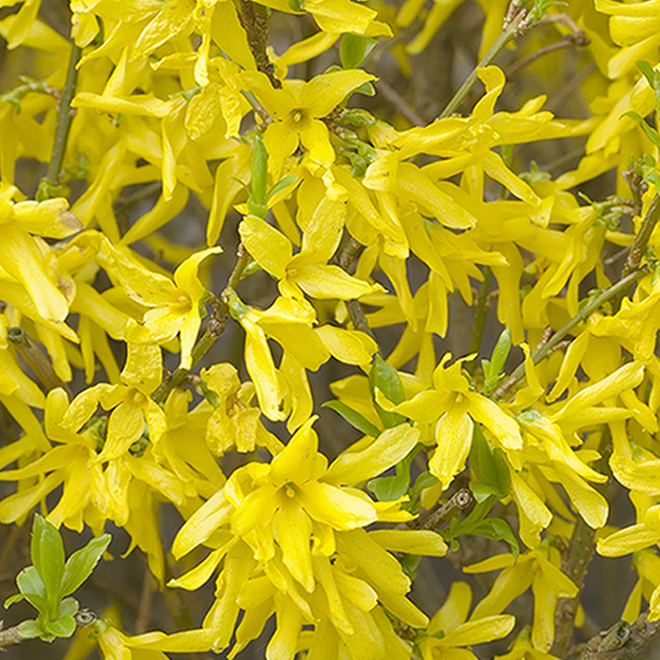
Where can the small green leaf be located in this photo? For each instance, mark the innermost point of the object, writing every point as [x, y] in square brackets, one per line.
[498, 530]
[81, 563]
[386, 379]
[493, 367]
[489, 467]
[30, 629]
[47, 552]
[365, 88]
[16, 598]
[281, 186]
[389, 489]
[69, 606]
[650, 132]
[481, 491]
[354, 418]
[425, 480]
[353, 49]
[653, 78]
[30, 584]
[65, 626]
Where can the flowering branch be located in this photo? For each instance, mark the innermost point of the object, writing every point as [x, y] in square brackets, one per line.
[64, 118]
[513, 28]
[544, 350]
[214, 328]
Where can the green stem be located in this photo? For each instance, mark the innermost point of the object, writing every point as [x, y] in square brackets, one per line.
[214, 329]
[480, 315]
[508, 33]
[64, 118]
[543, 351]
[638, 248]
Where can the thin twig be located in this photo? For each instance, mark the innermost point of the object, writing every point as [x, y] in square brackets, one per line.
[64, 117]
[10, 636]
[481, 307]
[575, 563]
[215, 328]
[512, 29]
[146, 600]
[543, 351]
[436, 518]
[346, 259]
[638, 248]
[400, 105]
[566, 42]
[35, 357]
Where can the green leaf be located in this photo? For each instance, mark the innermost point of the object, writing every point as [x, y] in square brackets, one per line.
[489, 467]
[16, 598]
[385, 377]
[30, 584]
[365, 88]
[47, 552]
[458, 527]
[354, 418]
[425, 480]
[650, 132]
[259, 180]
[653, 78]
[69, 606]
[481, 491]
[65, 626]
[498, 530]
[493, 368]
[353, 49]
[81, 563]
[389, 489]
[30, 629]
[281, 186]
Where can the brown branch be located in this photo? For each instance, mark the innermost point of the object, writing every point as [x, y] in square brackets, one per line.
[254, 19]
[638, 248]
[9, 637]
[543, 351]
[437, 517]
[623, 641]
[215, 328]
[345, 259]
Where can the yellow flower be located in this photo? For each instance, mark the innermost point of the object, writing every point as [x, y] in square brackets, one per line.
[293, 500]
[26, 258]
[176, 307]
[297, 110]
[289, 321]
[234, 422]
[308, 270]
[300, 522]
[533, 570]
[454, 408]
[448, 631]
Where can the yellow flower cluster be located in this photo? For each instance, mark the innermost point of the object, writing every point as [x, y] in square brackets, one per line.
[335, 205]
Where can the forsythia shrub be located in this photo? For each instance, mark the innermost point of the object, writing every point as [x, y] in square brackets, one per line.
[362, 224]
